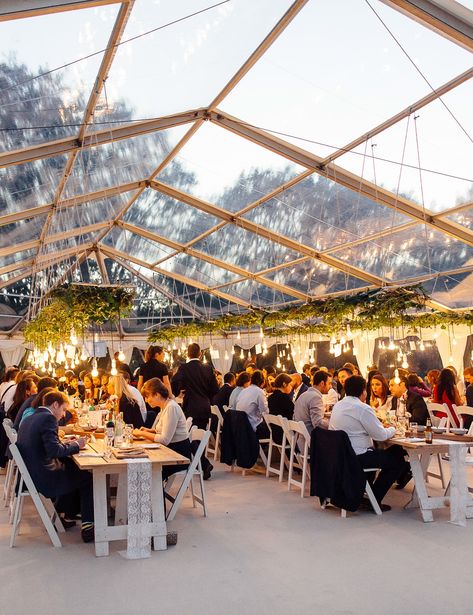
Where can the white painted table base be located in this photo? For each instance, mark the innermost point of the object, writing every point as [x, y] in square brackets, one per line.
[461, 505]
[105, 533]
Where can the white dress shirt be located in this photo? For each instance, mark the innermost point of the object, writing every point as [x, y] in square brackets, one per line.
[252, 400]
[360, 422]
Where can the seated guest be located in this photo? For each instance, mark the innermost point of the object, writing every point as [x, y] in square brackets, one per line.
[380, 399]
[460, 385]
[218, 377]
[342, 375]
[353, 416]
[309, 408]
[24, 390]
[54, 474]
[222, 398]
[242, 382]
[415, 384]
[280, 400]
[446, 392]
[44, 383]
[415, 404]
[170, 426]
[88, 390]
[252, 400]
[298, 387]
[432, 378]
[468, 377]
[250, 368]
[306, 375]
[38, 401]
[127, 403]
[138, 397]
[352, 367]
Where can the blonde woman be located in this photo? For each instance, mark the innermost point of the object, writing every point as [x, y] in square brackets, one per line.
[127, 401]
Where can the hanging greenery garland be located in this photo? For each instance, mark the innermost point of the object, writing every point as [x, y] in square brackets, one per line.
[77, 306]
[368, 310]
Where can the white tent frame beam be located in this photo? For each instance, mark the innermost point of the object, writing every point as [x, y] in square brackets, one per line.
[113, 253]
[341, 176]
[450, 19]
[97, 138]
[161, 289]
[19, 9]
[182, 249]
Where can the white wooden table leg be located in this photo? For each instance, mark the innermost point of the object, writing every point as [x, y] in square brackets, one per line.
[458, 485]
[157, 506]
[100, 512]
[121, 502]
[418, 467]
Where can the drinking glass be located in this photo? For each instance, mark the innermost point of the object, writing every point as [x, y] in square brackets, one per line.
[128, 434]
[414, 430]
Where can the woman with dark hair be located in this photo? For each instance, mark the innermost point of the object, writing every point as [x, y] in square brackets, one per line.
[280, 402]
[253, 401]
[415, 384]
[36, 403]
[154, 367]
[242, 382]
[24, 389]
[433, 378]
[380, 399]
[170, 427]
[446, 392]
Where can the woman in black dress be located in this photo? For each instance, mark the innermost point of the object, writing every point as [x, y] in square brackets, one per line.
[154, 367]
[128, 403]
[280, 402]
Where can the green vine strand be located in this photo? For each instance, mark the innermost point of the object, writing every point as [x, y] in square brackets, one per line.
[369, 310]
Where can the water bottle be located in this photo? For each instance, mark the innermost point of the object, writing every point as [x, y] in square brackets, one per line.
[109, 438]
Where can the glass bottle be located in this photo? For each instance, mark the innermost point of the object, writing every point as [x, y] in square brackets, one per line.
[109, 437]
[429, 436]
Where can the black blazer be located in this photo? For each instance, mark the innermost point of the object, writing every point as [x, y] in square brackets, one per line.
[200, 385]
[239, 441]
[336, 473]
[222, 397]
[43, 453]
[416, 407]
[281, 403]
[303, 389]
[131, 412]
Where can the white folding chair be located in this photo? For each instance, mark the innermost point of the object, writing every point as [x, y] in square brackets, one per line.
[194, 469]
[433, 407]
[189, 424]
[299, 439]
[215, 410]
[45, 509]
[461, 411]
[12, 471]
[276, 421]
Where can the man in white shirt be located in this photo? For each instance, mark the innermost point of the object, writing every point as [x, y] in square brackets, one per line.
[309, 408]
[359, 421]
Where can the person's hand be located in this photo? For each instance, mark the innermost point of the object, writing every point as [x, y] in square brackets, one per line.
[82, 442]
[137, 433]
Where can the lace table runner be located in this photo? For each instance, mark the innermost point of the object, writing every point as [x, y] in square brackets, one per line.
[139, 509]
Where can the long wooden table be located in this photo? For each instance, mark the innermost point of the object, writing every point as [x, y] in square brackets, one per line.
[456, 495]
[101, 467]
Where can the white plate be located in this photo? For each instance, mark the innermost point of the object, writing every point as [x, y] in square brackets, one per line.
[459, 432]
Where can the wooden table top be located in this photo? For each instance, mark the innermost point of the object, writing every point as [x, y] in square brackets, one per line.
[162, 455]
[439, 444]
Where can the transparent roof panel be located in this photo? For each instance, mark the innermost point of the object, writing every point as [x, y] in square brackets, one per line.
[21, 231]
[120, 162]
[355, 86]
[257, 295]
[17, 257]
[315, 278]
[440, 138]
[134, 245]
[320, 214]
[409, 253]
[49, 107]
[198, 270]
[26, 185]
[220, 167]
[87, 272]
[167, 217]
[463, 217]
[453, 291]
[183, 65]
[14, 301]
[83, 214]
[247, 250]
[5, 277]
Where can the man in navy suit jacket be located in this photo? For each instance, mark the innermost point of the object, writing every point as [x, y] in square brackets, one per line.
[49, 462]
[298, 387]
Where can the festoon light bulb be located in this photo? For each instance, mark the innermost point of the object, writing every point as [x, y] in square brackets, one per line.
[113, 370]
[121, 355]
[95, 372]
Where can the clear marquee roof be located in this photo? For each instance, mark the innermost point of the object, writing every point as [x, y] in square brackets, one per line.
[222, 156]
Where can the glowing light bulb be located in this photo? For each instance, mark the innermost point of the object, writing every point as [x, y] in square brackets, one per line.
[278, 364]
[454, 341]
[404, 363]
[113, 370]
[83, 355]
[391, 346]
[422, 346]
[261, 332]
[450, 359]
[397, 380]
[242, 354]
[233, 350]
[95, 372]
[226, 357]
[121, 355]
[238, 335]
